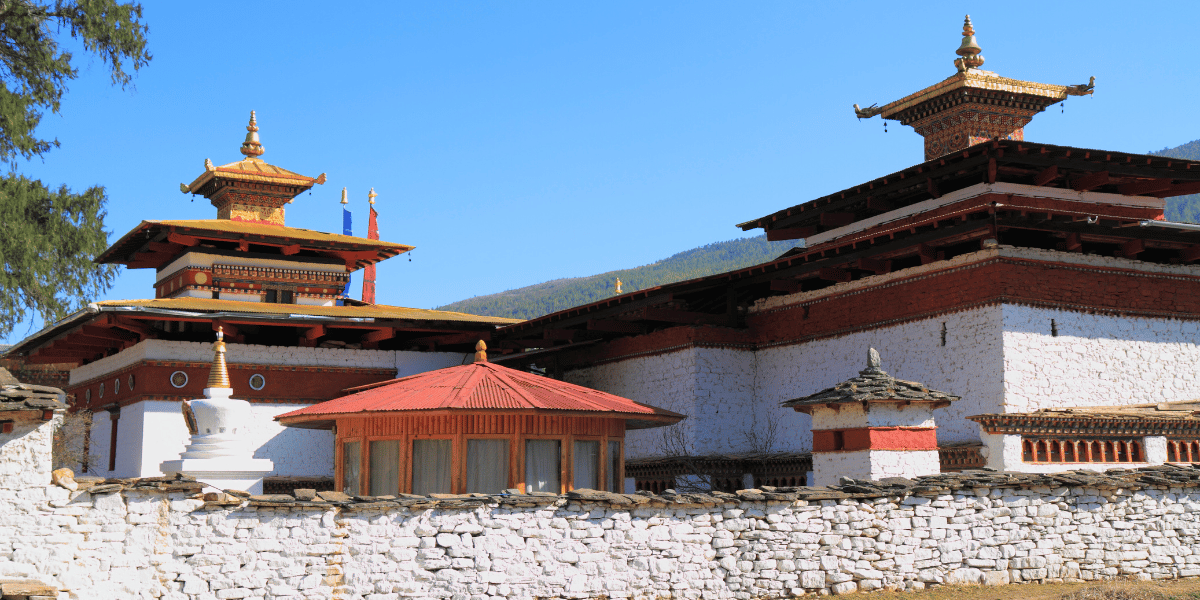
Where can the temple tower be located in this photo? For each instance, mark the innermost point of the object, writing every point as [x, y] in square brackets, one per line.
[972, 106]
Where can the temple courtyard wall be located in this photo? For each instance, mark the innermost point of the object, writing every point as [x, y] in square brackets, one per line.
[1003, 349]
[160, 538]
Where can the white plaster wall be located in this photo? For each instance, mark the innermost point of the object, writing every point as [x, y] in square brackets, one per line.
[130, 442]
[308, 301]
[25, 463]
[830, 467]
[164, 435]
[101, 430]
[1097, 360]
[714, 387]
[969, 365]
[850, 416]
[199, 259]
[296, 452]
[1004, 453]
[405, 362]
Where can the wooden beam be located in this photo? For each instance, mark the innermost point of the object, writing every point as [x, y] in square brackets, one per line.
[680, 316]
[164, 248]
[932, 186]
[108, 332]
[793, 233]
[230, 331]
[835, 274]
[559, 335]
[991, 170]
[880, 204]
[1073, 243]
[790, 286]
[1190, 254]
[1046, 175]
[313, 333]
[290, 250]
[836, 219]
[244, 245]
[870, 264]
[927, 253]
[132, 326]
[1132, 248]
[1141, 188]
[183, 240]
[614, 326]
[1179, 189]
[1090, 181]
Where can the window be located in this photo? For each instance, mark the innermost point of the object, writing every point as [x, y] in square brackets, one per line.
[351, 464]
[487, 466]
[1048, 450]
[543, 466]
[431, 467]
[615, 480]
[385, 468]
[216, 295]
[271, 296]
[279, 296]
[586, 458]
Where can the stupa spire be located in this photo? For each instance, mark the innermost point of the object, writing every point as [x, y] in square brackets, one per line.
[252, 148]
[969, 50]
[218, 375]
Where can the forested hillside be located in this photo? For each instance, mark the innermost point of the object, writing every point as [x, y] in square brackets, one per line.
[1183, 208]
[560, 294]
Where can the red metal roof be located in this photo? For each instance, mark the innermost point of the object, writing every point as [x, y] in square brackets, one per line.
[480, 386]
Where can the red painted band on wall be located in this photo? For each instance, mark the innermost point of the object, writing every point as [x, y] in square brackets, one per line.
[875, 438]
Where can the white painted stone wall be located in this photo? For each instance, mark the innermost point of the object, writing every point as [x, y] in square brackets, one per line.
[882, 414]
[830, 467]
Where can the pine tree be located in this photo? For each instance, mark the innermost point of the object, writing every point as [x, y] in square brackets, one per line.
[49, 237]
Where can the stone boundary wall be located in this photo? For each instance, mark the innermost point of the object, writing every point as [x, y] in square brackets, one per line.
[160, 538]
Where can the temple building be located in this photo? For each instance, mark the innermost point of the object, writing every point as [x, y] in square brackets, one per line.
[1022, 277]
[276, 291]
[478, 428]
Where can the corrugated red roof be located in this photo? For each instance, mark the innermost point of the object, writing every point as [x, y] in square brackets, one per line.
[481, 386]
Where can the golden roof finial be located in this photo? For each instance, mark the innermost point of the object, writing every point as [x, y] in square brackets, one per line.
[344, 201]
[371, 195]
[481, 352]
[618, 285]
[251, 147]
[969, 50]
[218, 375]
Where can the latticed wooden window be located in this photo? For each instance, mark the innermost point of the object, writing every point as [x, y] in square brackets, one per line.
[1078, 450]
[1183, 450]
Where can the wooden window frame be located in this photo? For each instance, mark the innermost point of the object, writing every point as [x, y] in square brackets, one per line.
[457, 480]
[513, 467]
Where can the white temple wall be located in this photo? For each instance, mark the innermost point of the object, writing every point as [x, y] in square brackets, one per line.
[296, 452]
[830, 467]
[849, 416]
[1096, 360]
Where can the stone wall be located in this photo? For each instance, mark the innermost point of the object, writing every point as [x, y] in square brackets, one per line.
[160, 538]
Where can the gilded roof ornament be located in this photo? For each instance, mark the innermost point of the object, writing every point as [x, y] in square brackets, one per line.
[371, 195]
[481, 352]
[209, 166]
[969, 50]
[251, 147]
[218, 375]
[344, 200]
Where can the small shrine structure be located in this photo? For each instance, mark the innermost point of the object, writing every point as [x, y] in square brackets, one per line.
[873, 426]
[219, 452]
[478, 428]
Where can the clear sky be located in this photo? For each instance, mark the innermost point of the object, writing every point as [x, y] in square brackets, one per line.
[513, 143]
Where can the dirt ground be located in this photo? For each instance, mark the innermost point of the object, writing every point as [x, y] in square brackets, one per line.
[1170, 589]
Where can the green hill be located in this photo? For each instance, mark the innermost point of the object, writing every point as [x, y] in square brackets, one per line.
[560, 294]
[1183, 208]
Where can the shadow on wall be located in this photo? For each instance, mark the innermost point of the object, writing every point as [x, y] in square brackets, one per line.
[299, 453]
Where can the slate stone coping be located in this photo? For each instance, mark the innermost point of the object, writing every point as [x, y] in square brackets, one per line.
[873, 384]
[1162, 476]
[15, 395]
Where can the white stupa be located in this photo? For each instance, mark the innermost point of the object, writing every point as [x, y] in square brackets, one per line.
[218, 453]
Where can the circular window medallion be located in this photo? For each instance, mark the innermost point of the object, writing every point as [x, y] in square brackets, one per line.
[179, 379]
[257, 381]
[101, 389]
[88, 395]
[130, 382]
[201, 278]
[117, 385]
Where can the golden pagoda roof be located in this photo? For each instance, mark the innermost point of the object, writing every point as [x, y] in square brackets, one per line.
[252, 168]
[982, 80]
[371, 311]
[138, 240]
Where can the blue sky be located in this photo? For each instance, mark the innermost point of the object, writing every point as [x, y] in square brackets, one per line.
[513, 143]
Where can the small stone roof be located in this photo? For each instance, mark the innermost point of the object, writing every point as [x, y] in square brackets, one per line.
[873, 384]
[17, 396]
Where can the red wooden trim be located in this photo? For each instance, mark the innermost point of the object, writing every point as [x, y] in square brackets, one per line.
[875, 438]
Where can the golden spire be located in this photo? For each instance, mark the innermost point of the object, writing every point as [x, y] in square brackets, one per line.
[618, 285]
[481, 352]
[251, 147]
[218, 375]
[969, 50]
[344, 201]
[371, 196]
